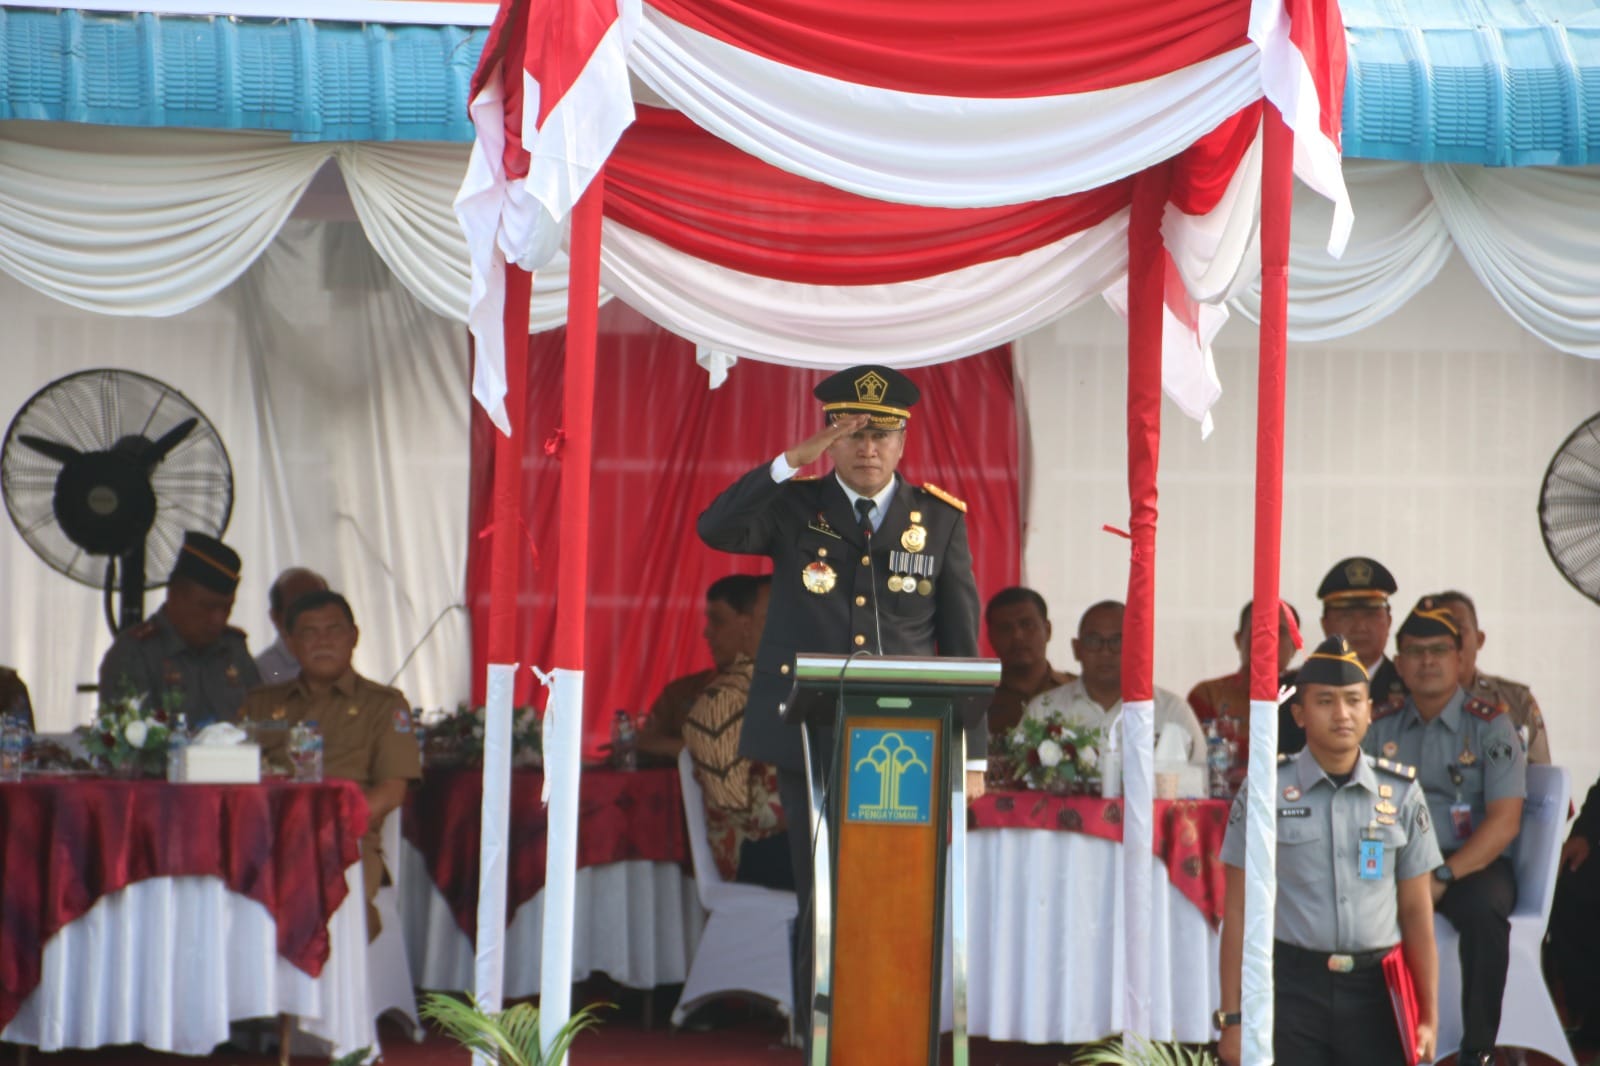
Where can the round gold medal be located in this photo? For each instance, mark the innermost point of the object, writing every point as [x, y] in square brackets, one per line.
[894, 582]
[924, 587]
[914, 539]
[818, 577]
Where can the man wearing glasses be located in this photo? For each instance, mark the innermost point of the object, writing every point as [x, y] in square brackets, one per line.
[1471, 765]
[1355, 605]
[1095, 698]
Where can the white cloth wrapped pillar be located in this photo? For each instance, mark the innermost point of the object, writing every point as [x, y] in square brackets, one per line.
[563, 766]
[1138, 836]
[489, 953]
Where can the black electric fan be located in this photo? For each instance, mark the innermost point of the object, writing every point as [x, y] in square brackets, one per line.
[1569, 508]
[103, 471]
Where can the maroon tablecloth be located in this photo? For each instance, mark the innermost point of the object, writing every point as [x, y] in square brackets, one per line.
[1188, 833]
[622, 815]
[66, 842]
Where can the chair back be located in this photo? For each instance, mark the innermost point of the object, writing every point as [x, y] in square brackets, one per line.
[1537, 851]
[707, 877]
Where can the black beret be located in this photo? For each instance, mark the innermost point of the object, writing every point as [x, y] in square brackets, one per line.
[1357, 578]
[880, 392]
[207, 561]
[1430, 618]
[1333, 663]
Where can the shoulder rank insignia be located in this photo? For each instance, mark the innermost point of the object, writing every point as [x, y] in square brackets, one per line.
[806, 477]
[1482, 709]
[1398, 769]
[143, 631]
[1387, 708]
[937, 492]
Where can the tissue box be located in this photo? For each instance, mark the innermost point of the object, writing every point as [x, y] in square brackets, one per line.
[235, 764]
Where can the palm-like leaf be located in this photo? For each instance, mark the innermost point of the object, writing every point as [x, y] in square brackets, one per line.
[1135, 1050]
[510, 1036]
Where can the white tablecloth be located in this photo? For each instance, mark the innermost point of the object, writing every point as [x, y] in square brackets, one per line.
[170, 962]
[1045, 959]
[637, 922]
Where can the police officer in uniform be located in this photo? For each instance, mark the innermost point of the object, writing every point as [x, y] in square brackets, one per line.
[1470, 763]
[187, 647]
[1355, 850]
[1513, 697]
[862, 562]
[1355, 605]
[366, 727]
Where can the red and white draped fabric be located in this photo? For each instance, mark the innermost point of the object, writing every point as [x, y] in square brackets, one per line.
[550, 97]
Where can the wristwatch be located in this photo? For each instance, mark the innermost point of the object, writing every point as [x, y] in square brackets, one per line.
[1444, 874]
[1221, 1020]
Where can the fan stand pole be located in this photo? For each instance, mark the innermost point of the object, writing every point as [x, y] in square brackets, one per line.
[131, 610]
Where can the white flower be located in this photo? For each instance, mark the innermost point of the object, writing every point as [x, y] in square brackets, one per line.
[135, 733]
[1019, 738]
[1049, 753]
[1088, 758]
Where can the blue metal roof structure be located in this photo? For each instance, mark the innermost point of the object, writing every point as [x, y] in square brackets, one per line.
[1497, 82]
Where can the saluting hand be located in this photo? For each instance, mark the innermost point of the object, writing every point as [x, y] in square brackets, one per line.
[811, 449]
[1425, 1042]
[1574, 852]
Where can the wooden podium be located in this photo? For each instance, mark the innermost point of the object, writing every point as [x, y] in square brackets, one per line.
[885, 748]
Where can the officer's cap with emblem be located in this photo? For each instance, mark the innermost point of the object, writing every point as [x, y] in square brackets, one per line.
[1357, 580]
[1335, 663]
[883, 394]
[1430, 618]
[207, 562]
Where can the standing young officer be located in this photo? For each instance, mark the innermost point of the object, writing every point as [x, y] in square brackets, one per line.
[1355, 850]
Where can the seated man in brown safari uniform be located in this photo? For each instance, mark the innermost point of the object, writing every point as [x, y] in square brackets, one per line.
[366, 727]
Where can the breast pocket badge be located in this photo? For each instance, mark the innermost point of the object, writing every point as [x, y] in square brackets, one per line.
[818, 577]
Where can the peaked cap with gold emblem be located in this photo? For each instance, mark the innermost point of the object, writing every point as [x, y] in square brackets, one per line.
[1334, 662]
[1357, 579]
[1430, 618]
[883, 394]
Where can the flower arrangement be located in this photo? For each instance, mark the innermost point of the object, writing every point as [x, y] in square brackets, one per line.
[1052, 754]
[129, 733]
[455, 738]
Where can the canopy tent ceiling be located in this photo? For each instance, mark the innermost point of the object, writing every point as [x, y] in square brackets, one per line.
[1429, 80]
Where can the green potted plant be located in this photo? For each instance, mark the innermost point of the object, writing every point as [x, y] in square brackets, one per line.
[510, 1036]
[1134, 1050]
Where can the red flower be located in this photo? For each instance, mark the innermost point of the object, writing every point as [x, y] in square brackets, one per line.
[1056, 729]
[1033, 758]
[1069, 753]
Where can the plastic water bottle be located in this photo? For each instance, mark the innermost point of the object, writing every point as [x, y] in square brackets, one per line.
[624, 753]
[1219, 762]
[13, 747]
[177, 741]
[305, 750]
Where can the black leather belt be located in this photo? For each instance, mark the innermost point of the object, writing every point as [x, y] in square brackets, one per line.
[1334, 962]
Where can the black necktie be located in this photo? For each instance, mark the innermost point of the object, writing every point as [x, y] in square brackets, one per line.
[864, 508]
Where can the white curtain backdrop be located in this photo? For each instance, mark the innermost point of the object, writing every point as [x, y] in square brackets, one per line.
[343, 403]
[190, 210]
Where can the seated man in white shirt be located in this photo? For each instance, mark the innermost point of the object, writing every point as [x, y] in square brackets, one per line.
[278, 663]
[1095, 699]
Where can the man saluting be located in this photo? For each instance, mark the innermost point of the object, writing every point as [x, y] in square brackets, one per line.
[862, 562]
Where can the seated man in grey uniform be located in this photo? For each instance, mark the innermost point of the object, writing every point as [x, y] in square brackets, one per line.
[1470, 761]
[1355, 848]
[187, 649]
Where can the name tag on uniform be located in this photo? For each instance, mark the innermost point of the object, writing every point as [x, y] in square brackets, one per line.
[1294, 812]
[1371, 860]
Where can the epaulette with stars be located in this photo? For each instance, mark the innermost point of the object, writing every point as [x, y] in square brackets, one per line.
[1482, 709]
[1398, 769]
[938, 493]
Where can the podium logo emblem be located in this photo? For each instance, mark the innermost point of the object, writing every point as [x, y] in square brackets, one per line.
[890, 776]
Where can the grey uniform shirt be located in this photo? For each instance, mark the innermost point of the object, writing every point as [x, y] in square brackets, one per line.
[1323, 902]
[1469, 754]
[155, 660]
